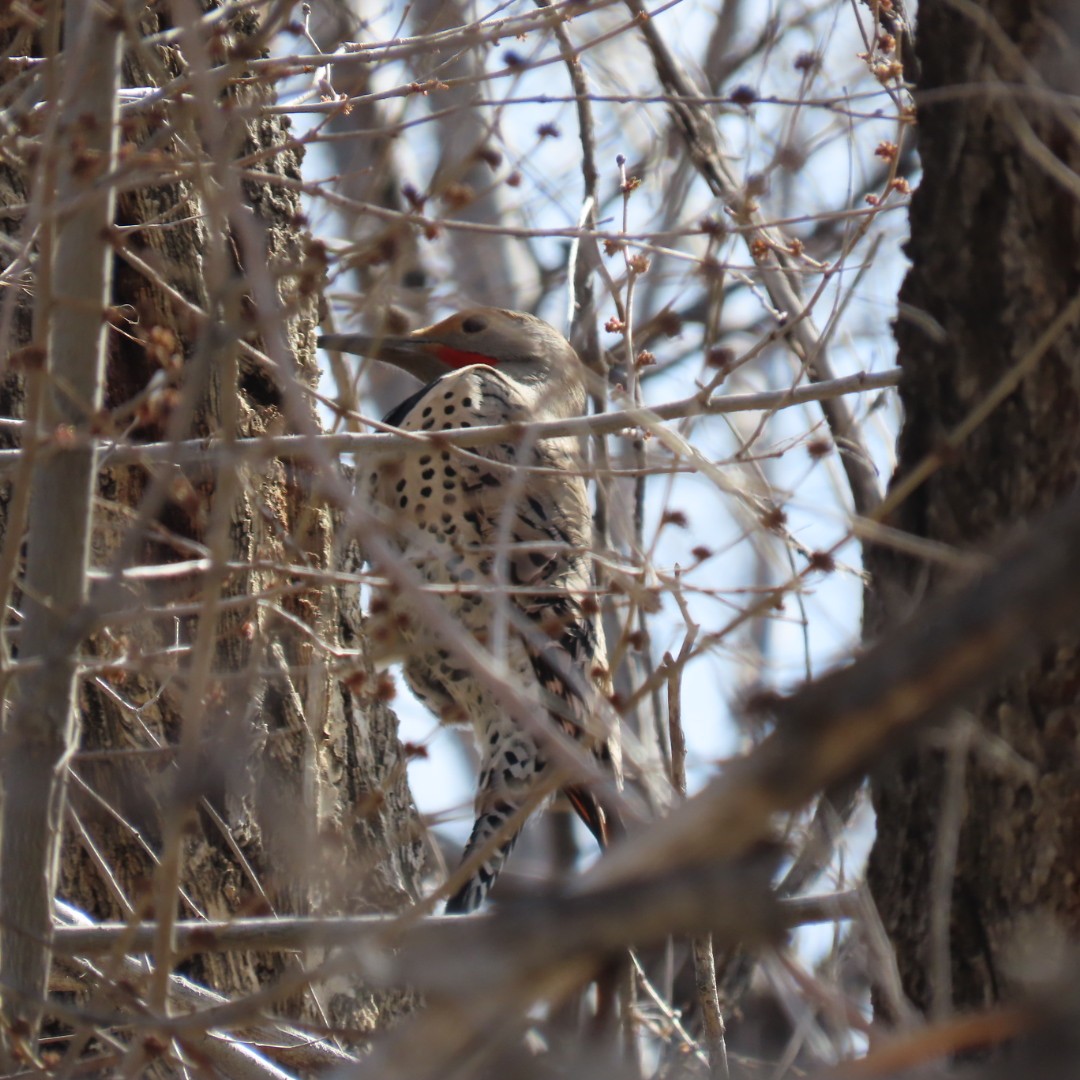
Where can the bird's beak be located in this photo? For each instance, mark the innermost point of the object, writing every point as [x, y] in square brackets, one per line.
[413, 352]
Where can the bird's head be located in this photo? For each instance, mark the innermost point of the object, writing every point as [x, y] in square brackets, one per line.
[522, 347]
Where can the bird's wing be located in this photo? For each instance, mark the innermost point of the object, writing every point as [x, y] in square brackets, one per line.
[545, 518]
[398, 414]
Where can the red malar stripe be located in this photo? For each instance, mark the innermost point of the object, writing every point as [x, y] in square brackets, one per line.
[459, 358]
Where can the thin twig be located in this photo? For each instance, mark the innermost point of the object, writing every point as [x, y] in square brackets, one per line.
[296, 932]
[773, 262]
[293, 1046]
[943, 868]
[832, 727]
[300, 447]
[701, 947]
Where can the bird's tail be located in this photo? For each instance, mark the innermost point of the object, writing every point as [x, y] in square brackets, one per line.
[489, 823]
[502, 818]
[601, 818]
[511, 768]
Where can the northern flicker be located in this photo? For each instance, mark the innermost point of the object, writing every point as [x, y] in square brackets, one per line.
[470, 519]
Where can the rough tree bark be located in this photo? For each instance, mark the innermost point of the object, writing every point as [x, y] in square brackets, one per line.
[303, 804]
[995, 250]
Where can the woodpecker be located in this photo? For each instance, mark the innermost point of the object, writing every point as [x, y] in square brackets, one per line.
[514, 514]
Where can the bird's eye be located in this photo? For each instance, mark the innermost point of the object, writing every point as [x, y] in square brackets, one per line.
[473, 325]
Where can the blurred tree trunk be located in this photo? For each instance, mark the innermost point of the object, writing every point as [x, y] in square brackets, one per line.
[995, 251]
[302, 799]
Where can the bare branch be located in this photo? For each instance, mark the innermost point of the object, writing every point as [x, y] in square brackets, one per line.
[299, 447]
[775, 265]
[42, 725]
[834, 727]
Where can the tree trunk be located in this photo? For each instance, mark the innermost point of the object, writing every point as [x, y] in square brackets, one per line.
[298, 795]
[995, 251]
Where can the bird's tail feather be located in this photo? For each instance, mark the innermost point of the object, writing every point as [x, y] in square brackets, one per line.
[600, 819]
[474, 891]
